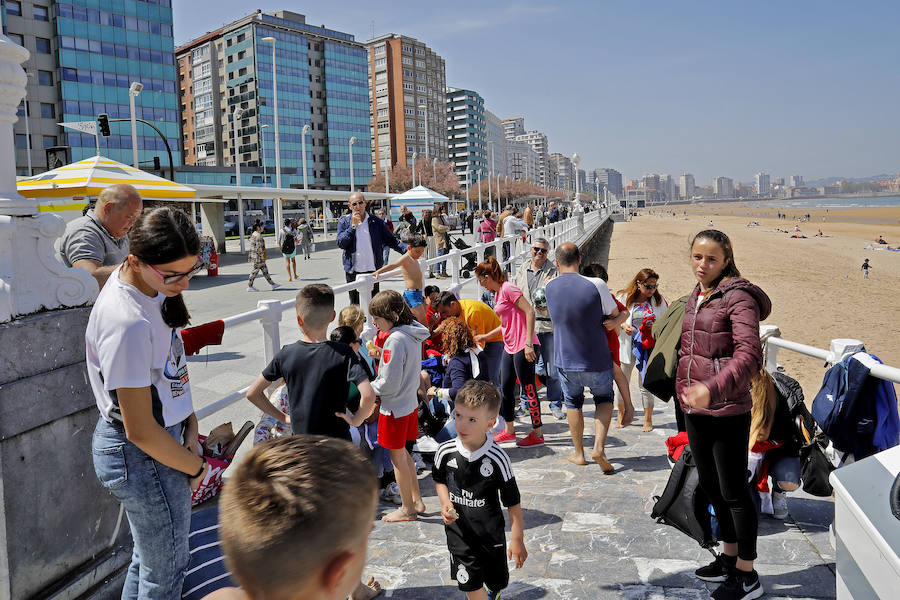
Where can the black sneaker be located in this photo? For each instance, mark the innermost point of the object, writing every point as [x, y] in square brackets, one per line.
[718, 570]
[491, 594]
[740, 585]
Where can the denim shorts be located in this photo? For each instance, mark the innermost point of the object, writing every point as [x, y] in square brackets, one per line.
[157, 502]
[574, 382]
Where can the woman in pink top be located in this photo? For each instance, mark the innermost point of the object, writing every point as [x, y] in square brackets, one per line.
[487, 229]
[517, 325]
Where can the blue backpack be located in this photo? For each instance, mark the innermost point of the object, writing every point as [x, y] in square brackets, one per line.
[844, 408]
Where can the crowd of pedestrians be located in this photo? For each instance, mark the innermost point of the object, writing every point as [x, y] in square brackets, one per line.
[469, 365]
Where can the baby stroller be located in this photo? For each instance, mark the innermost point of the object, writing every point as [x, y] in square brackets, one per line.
[466, 269]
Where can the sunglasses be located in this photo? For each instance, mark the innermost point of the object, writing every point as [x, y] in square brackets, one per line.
[170, 279]
[541, 250]
[357, 203]
[650, 287]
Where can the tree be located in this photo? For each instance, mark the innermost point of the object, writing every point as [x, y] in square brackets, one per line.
[401, 178]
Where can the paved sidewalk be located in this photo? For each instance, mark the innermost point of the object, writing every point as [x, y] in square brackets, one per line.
[589, 536]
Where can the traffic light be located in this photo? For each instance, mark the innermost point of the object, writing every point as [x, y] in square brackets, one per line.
[103, 122]
[156, 166]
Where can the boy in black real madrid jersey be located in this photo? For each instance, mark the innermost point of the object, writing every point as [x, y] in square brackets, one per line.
[473, 476]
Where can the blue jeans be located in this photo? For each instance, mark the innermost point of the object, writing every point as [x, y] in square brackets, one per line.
[574, 382]
[157, 502]
[493, 355]
[441, 407]
[545, 366]
[441, 267]
[386, 254]
[785, 468]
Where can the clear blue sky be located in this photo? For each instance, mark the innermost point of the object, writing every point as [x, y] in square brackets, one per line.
[708, 87]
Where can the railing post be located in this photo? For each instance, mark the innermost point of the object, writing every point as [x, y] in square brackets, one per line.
[365, 291]
[841, 348]
[271, 329]
[770, 351]
[479, 252]
[454, 265]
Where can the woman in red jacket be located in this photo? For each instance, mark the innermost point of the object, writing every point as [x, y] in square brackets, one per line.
[720, 354]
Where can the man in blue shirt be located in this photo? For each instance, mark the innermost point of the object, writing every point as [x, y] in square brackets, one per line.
[362, 237]
[579, 307]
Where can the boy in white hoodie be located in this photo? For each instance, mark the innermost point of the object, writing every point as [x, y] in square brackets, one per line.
[397, 384]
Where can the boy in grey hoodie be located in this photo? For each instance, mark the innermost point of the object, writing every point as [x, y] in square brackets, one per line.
[397, 384]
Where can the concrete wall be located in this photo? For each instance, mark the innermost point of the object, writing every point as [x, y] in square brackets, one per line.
[56, 520]
[594, 244]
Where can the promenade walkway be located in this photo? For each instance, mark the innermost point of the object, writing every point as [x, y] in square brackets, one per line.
[589, 536]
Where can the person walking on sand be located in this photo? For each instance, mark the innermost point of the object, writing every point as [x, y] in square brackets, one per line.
[865, 268]
[257, 258]
[580, 306]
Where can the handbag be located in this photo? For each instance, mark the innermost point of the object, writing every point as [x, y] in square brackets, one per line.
[815, 467]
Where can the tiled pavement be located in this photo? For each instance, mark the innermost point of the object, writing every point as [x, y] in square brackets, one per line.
[590, 536]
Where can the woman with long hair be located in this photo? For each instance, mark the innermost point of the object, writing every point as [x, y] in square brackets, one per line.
[145, 445]
[517, 326]
[720, 355]
[642, 299]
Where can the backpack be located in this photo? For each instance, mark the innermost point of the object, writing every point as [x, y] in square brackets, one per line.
[288, 244]
[844, 410]
[683, 505]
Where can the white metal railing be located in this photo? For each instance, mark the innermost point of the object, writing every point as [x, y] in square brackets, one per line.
[774, 342]
[268, 312]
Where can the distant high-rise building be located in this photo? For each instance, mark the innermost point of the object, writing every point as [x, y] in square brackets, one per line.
[538, 142]
[796, 180]
[723, 187]
[514, 127]
[408, 87]
[466, 143]
[651, 182]
[670, 188]
[84, 58]
[523, 162]
[564, 169]
[778, 181]
[686, 185]
[612, 179]
[763, 187]
[496, 144]
[322, 81]
[582, 179]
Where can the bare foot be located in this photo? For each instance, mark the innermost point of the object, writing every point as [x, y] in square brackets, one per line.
[619, 424]
[577, 459]
[399, 515]
[419, 505]
[367, 591]
[648, 426]
[605, 465]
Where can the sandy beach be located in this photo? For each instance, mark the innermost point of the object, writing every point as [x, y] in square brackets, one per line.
[815, 284]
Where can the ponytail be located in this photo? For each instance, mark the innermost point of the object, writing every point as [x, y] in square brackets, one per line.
[491, 268]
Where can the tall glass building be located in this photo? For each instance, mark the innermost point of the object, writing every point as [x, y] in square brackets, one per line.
[322, 78]
[85, 56]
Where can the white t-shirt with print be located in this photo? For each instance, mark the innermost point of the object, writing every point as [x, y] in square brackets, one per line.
[128, 345]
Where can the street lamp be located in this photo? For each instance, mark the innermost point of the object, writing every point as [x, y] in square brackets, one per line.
[236, 115]
[133, 91]
[27, 128]
[415, 155]
[271, 40]
[434, 172]
[576, 160]
[352, 141]
[306, 129]
[467, 188]
[262, 143]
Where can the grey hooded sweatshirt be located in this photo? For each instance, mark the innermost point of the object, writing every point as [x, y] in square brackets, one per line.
[398, 373]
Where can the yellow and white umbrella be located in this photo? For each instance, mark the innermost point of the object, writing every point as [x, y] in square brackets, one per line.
[68, 189]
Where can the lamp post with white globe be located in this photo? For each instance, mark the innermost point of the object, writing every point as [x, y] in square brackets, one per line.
[352, 141]
[576, 160]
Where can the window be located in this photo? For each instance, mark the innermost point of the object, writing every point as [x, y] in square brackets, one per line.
[242, 54]
[42, 45]
[407, 60]
[48, 111]
[240, 38]
[382, 112]
[13, 7]
[49, 140]
[380, 62]
[409, 111]
[408, 86]
[45, 78]
[41, 13]
[380, 49]
[420, 64]
[15, 37]
[404, 46]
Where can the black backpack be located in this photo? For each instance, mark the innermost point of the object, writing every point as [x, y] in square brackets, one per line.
[288, 244]
[683, 505]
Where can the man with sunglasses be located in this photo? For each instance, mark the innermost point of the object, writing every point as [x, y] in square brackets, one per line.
[531, 277]
[98, 241]
[362, 237]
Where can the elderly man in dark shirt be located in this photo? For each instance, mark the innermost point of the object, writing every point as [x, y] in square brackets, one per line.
[98, 241]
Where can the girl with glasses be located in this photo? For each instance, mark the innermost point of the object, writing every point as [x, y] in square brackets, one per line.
[642, 298]
[145, 445]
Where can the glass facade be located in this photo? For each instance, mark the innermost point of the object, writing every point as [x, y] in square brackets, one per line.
[104, 46]
[347, 103]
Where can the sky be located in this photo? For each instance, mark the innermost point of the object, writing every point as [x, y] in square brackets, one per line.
[644, 86]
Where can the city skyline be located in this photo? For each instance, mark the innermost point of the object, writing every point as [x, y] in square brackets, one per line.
[775, 97]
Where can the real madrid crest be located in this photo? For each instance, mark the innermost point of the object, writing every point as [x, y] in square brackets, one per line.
[487, 468]
[462, 576]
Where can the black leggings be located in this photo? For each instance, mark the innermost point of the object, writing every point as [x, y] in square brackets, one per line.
[719, 448]
[514, 366]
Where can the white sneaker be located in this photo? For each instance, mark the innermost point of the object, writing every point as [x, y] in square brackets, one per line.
[426, 444]
[779, 505]
[250, 288]
[391, 493]
[275, 286]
